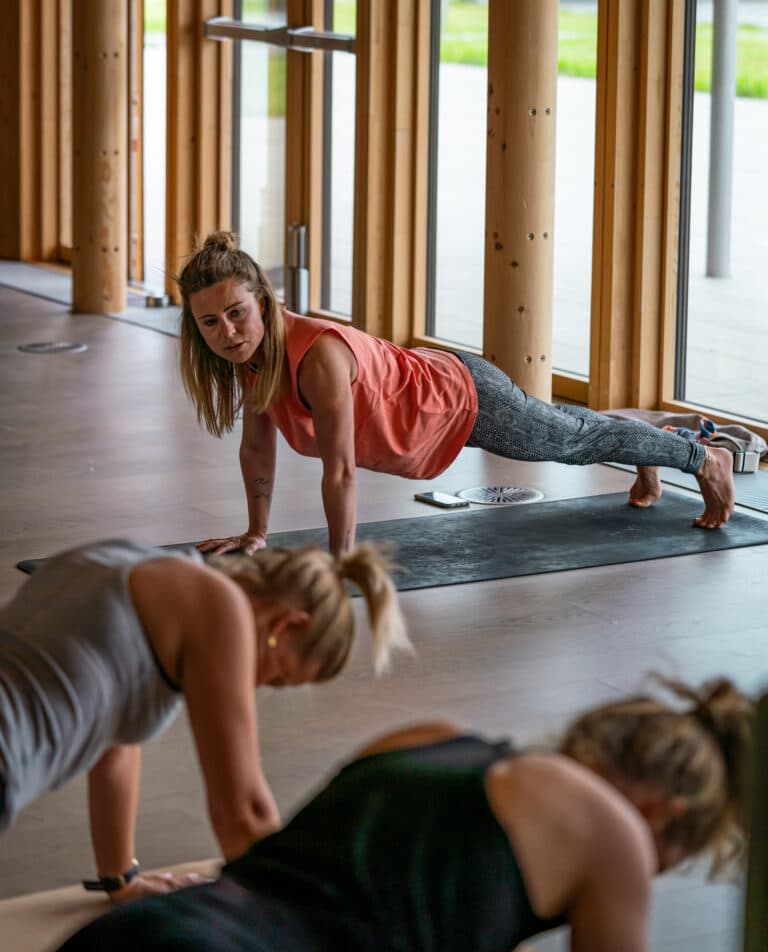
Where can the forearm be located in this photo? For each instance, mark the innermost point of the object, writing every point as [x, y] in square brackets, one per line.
[113, 794]
[340, 505]
[258, 471]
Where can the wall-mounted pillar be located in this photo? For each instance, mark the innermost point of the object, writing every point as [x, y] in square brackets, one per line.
[99, 155]
[387, 133]
[520, 190]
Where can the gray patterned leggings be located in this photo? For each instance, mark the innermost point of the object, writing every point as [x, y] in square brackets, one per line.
[512, 424]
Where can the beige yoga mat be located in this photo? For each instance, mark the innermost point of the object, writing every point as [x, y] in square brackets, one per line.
[40, 922]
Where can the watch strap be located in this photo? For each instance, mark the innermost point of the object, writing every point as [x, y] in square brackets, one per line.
[111, 884]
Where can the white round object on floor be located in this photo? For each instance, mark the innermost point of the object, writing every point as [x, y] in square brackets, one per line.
[501, 495]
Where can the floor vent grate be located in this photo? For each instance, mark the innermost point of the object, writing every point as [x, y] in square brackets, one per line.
[501, 495]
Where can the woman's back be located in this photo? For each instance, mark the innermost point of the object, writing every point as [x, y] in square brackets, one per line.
[405, 841]
[76, 671]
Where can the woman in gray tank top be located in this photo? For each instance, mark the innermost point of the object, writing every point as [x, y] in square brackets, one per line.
[101, 645]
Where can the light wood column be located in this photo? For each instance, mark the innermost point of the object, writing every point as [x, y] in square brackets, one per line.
[389, 76]
[100, 155]
[637, 181]
[613, 243]
[520, 190]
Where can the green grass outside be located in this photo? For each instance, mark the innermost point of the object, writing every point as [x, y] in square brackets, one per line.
[465, 40]
[577, 44]
[154, 16]
[751, 60]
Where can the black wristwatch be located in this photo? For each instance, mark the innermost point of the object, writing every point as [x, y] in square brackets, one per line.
[110, 884]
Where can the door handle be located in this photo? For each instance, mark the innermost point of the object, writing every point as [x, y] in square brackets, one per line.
[303, 39]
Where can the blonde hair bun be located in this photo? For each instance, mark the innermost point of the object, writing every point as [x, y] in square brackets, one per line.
[221, 241]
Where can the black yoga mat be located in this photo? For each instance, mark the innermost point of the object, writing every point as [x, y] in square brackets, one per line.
[503, 542]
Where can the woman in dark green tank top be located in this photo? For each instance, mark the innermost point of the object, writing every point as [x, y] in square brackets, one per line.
[437, 841]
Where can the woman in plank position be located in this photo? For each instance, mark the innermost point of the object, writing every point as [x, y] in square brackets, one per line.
[101, 645]
[434, 840]
[354, 400]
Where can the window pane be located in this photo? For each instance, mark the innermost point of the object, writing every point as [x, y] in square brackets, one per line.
[457, 174]
[260, 161]
[270, 13]
[153, 145]
[574, 186]
[726, 360]
[339, 163]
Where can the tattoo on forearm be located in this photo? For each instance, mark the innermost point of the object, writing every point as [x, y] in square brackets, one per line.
[258, 493]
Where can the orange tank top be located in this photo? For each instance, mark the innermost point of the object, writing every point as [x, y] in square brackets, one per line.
[413, 409]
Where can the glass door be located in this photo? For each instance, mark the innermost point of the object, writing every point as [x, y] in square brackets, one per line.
[721, 359]
[258, 206]
[277, 141]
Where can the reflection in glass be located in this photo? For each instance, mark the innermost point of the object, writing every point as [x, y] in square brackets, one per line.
[726, 360]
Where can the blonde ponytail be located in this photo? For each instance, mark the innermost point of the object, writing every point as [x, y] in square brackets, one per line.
[314, 580]
[697, 747]
[728, 717]
[368, 567]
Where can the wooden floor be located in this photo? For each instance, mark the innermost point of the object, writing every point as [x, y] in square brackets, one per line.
[104, 443]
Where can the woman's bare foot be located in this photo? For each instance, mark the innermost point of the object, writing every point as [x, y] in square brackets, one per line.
[715, 478]
[646, 489]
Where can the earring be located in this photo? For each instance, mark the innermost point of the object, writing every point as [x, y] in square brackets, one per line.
[272, 641]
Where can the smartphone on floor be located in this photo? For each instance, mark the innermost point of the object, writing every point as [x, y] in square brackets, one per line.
[442, 500]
